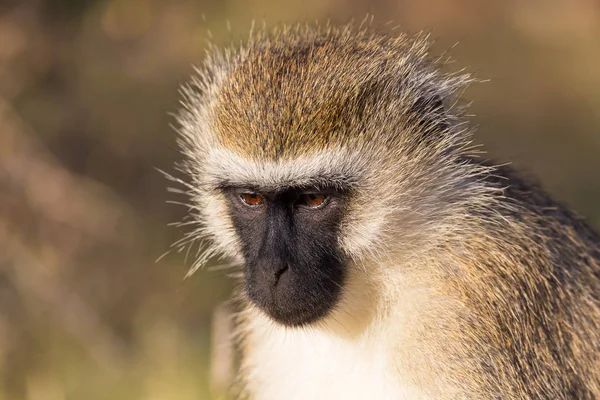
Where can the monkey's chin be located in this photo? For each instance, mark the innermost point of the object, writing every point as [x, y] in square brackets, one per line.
[293, 306]
[293, 319]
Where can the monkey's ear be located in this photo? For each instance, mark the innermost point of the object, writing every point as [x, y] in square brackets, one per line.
[429, 113]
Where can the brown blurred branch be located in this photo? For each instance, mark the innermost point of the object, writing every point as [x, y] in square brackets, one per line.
[36, 194]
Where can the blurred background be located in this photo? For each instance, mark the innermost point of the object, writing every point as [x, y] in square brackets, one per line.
[86, 87]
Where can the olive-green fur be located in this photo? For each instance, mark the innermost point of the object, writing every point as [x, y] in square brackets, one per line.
[299, 90]
[517, 274]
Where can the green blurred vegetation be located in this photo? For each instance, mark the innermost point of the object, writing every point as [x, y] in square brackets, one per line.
[85, 91]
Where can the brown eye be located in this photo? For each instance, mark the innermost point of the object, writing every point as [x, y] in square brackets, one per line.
[252, 199]
[313, 200]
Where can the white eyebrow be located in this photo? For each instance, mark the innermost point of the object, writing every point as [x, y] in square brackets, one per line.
[335, 167]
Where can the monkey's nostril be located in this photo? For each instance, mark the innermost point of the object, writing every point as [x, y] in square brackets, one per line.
[280, 272]
[271, 272]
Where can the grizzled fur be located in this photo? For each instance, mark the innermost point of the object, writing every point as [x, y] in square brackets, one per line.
[462, 280]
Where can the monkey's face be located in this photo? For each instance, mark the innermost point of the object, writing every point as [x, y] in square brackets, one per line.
[294, 270]
[269, 134]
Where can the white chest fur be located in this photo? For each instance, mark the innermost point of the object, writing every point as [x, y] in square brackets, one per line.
[312, 364]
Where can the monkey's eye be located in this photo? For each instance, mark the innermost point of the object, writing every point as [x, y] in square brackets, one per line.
[252, 199]
[312, 200]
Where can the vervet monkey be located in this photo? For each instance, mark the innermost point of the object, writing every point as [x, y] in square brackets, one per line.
[381, 258]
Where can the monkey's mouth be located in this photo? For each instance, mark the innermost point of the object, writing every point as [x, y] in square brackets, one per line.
[296, 296]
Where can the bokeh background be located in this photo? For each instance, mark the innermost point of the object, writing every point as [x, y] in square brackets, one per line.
[86, 87]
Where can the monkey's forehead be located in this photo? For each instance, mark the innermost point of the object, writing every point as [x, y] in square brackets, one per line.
[302, 91]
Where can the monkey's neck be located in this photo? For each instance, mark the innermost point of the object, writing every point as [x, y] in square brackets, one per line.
[283, 363]
[385, 350]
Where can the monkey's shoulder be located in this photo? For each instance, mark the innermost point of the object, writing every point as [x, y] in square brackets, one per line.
[528, 202]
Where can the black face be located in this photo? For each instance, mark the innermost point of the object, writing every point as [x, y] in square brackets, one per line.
[294, 271]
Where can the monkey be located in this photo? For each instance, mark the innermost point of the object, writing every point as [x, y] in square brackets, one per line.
[379, 255]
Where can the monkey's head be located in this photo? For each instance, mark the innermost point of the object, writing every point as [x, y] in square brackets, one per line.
[314, 153]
